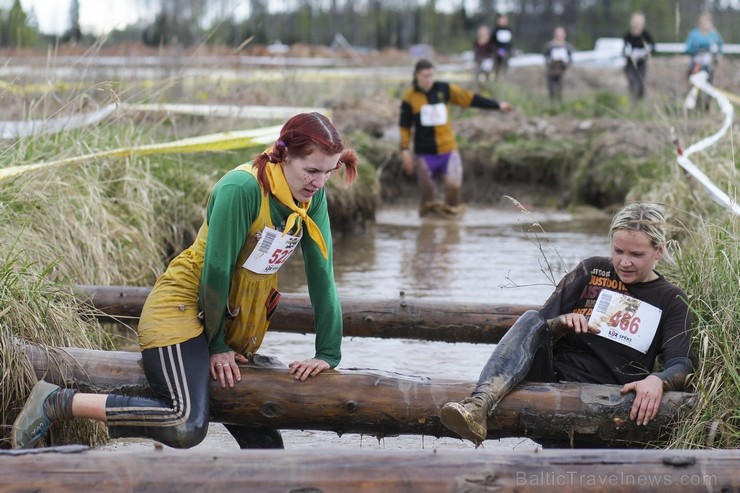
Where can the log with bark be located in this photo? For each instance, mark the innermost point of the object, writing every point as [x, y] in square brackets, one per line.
[74, 469]
[380, 403]
[402, 318]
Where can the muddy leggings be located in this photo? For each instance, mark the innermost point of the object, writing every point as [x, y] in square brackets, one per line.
[178, 414]
[524, 353]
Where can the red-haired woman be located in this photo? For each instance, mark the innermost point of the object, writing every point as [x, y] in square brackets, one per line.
[210, 309]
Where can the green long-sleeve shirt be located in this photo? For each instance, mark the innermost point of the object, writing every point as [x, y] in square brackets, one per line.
[233, 206]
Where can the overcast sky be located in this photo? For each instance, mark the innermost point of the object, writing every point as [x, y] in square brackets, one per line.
[97, 16]
[101, 16]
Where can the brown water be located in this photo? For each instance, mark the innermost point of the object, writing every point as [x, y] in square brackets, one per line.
[488, 255]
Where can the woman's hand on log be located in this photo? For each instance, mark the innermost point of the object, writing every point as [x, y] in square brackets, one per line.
[575, 322]
[307, 368]
[648, 395]
[225, 369]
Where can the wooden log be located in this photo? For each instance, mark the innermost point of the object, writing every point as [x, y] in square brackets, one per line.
[63, 470]
[379, 403]
[401, 318]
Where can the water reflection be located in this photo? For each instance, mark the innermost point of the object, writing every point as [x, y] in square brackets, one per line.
[490, 255]
[429, 263]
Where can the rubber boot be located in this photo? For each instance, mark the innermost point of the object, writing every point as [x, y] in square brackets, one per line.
[469, 417]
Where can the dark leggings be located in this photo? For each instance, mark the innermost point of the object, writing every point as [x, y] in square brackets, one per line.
[555, 87]
[524, 353]
[636, 73]
[178, 414]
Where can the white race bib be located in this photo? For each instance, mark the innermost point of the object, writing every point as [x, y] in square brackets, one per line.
[703, 59]
[272, 250]
[433, 115]
[503, 36]
[625, 319]
[639, 53]
[486, 65]
[559, 54]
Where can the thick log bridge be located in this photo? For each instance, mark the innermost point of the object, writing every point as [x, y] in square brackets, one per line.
[71, 470]
[401, 318]
[378, 403]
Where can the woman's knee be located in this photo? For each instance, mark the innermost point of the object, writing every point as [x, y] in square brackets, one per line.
[186, 435]
[531, 321]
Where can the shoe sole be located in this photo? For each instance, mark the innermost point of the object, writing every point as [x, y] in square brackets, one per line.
[455, 417]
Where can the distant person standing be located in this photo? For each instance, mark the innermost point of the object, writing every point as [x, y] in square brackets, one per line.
[558, 57]
[483, 52]
[704, 44]
[503, 43]
[424, 113]
[638, 46]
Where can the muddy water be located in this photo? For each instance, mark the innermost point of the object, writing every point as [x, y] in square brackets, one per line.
[488, 255]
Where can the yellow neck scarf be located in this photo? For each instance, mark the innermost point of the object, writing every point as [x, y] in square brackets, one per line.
[280, 189]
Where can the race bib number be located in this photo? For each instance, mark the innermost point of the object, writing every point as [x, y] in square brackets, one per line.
[639, 53]
[273, 249]
[625, 320]
[703, 59]
[503, 36]
[433, 115]
[486, 65]
[559, 54]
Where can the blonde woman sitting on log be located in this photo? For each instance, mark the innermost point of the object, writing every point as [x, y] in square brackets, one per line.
[564, 342]
[209, 311]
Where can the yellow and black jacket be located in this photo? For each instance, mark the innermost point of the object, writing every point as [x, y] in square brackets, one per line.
[439, 139]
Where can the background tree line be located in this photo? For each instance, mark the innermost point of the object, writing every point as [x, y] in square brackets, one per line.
[379, 24]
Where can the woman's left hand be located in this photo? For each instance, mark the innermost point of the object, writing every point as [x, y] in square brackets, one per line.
[307, 368]
[648, 394]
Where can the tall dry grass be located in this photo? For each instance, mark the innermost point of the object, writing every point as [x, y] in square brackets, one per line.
[707, 267]
[709, 270]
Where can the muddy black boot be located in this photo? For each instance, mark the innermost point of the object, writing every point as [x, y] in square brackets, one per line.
[468, 418]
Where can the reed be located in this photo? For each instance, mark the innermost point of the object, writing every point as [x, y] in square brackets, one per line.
[708, 268]
[41, 311]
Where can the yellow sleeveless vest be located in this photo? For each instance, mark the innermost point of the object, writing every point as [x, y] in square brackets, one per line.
[170, 313]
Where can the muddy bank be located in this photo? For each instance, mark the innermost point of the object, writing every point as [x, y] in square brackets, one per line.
[548, 161]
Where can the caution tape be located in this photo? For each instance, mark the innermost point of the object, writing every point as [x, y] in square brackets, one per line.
[223, 141]
[25, 128]
[701, 82]
[226, 111]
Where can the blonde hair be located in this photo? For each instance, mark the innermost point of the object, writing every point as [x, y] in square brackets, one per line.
[641, 216]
